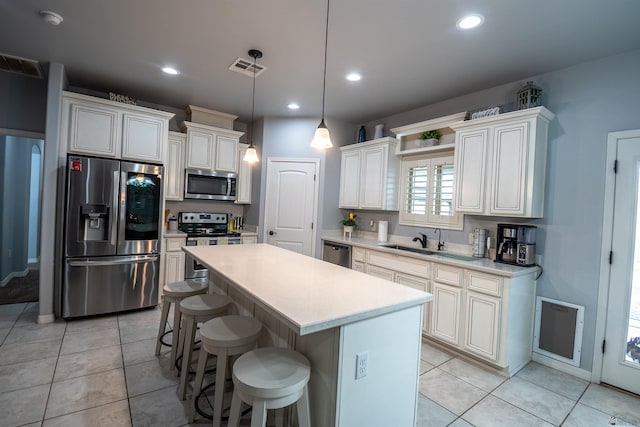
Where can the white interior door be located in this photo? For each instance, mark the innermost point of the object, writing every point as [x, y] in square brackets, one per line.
[290, 204]
[621, 358]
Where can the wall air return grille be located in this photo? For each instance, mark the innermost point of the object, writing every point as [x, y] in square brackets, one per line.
[15, 64]
[558, 330]
[245, 66]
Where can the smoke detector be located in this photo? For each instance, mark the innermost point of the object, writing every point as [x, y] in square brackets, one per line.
[51, 18]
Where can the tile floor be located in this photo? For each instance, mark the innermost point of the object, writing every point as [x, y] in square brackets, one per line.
[102, 372]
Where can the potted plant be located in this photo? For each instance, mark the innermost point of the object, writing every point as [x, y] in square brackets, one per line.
[430, 137]
[349, 223]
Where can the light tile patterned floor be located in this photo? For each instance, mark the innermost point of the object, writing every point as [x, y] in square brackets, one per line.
[102, 372]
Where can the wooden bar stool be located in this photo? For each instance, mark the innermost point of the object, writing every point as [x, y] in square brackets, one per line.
[270, 378]
[194, 310]
[223, 337]
[174, 293]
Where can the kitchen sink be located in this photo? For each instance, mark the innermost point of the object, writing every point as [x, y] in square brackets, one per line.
[411, 249]
[459, 257]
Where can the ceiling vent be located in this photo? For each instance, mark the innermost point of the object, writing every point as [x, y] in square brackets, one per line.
[15, 64]
[245, 66]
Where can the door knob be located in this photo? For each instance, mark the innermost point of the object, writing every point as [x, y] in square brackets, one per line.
[271, 232]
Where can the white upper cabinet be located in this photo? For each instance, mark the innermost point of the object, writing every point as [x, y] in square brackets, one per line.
[500, 163]
[174, 167]
[243, 184]
[211, 148]
[369, 175]
[143, 137]
[92, 129]
[104, 128]
[350, 179]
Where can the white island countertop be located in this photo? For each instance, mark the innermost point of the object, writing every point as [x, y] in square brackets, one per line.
[306, 293]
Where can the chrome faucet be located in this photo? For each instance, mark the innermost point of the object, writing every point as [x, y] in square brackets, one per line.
[422, 240]
[440, 242]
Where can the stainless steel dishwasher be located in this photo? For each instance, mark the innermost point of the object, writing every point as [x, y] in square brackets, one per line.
[337, 254]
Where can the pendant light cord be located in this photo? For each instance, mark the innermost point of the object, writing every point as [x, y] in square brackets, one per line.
[253, 99]
[324, 75]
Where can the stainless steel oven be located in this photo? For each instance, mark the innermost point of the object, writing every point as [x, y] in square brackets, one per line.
[204, 229]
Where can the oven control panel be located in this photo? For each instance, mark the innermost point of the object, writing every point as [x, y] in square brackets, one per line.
[203, 218]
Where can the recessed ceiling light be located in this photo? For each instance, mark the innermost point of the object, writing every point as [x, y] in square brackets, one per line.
[170, 70]
[470, 21]
[354, 77]
[293, 106]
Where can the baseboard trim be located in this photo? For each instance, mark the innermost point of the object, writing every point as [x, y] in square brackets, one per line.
[46, 318]
[561, 366]
[4, 282]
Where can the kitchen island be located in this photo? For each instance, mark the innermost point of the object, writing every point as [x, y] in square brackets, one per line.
[330, 314]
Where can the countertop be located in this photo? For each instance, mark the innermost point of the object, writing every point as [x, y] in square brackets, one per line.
[481, 264]
[306, 293]
[173, 234]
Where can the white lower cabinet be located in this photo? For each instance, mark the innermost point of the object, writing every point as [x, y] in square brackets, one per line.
[487, 316]
[174, 267]
[173, 260]
[405, 271]
[380, 272]
[482, 325]
[249, 238]
[445, 313]
[420, 284]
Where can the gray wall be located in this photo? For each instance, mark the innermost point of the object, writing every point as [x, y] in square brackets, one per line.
[15, 165]
[589, 100]
[23, 102]
[285, 137]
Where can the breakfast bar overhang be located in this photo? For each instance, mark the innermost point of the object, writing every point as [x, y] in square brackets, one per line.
[330, 314]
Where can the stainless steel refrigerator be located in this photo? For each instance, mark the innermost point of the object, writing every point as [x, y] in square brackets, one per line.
[112, 236]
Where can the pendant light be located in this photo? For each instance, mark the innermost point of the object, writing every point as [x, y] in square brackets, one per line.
[251, 156]
[321, 138]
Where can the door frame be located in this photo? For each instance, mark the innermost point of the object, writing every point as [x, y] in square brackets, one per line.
[605, 248]
[316, 191]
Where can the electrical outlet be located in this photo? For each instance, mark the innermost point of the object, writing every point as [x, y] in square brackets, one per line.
[372, 224]
[362, 364]
[470, 238]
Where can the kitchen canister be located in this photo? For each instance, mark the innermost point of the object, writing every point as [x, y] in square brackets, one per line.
[173, 223]
[383, 228]
[379, 131]
[479, 242]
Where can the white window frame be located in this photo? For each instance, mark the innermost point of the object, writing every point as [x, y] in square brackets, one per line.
[428, 219]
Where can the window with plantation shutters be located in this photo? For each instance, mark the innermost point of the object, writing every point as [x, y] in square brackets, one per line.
[427, 192]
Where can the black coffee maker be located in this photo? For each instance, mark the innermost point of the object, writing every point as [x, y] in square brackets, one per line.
[516, 244]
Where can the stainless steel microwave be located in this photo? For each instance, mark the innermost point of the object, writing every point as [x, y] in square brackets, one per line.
[208, 185]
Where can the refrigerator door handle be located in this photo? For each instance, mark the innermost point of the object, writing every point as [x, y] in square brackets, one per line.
[92, 262]
[113, 232]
